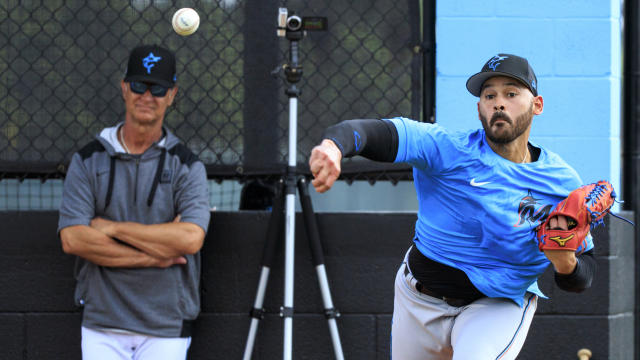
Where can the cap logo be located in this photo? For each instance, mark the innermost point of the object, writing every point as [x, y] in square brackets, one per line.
[495, 61]
[533, 84]
[150, 61]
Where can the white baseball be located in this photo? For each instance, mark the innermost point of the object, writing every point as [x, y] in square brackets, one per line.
[185, 21]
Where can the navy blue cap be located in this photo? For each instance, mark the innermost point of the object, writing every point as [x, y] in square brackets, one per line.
[504, 65]
[152, 64]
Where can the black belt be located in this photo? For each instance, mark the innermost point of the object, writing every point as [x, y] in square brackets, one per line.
[451, 301]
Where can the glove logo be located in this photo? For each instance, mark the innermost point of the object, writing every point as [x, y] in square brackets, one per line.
[560, 240]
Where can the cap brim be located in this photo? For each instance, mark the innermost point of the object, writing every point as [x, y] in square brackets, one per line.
[149, 79]
[474, 84]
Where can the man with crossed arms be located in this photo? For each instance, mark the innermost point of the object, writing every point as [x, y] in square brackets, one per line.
[135, 211]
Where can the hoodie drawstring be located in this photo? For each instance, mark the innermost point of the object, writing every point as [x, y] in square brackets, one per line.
[112, 175]
[154, 186]
[156, 178]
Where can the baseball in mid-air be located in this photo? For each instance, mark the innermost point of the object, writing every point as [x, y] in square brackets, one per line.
[185, 21]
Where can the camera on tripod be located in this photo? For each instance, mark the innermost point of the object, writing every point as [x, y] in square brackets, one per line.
[294, 27]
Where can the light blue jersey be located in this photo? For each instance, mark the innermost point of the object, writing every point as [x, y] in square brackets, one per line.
[478, 210]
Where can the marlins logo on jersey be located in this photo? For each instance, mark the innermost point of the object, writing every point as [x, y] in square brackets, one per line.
[532, 211]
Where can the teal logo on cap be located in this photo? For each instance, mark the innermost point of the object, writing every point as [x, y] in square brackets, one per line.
[150, 61]
[495, 61]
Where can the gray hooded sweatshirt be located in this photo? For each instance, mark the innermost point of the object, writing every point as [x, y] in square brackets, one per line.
[151, 188]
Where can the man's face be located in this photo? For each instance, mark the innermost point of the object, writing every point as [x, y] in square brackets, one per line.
[146, 108]
[506, 108]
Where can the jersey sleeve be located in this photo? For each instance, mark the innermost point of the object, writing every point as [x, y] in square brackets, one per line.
[78, 200]
[425, 146]
[192, 196]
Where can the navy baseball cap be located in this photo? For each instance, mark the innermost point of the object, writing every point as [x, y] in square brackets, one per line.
[152, 64]
[504, 65]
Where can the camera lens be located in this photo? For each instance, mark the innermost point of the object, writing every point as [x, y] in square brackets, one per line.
[294, 23]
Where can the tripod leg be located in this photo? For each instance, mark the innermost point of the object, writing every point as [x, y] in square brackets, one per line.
[313, 236]
[289, 258]
[273, 232]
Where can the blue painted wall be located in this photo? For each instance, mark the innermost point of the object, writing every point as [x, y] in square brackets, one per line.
[575, 49]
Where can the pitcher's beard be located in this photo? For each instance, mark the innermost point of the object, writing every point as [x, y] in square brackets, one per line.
[504, 136]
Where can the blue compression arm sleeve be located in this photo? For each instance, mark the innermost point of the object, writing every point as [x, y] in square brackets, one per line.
[372, 138]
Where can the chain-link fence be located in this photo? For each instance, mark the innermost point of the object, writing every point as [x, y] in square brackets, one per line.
[61, 62]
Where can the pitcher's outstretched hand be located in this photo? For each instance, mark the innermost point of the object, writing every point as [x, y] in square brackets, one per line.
[325, 165]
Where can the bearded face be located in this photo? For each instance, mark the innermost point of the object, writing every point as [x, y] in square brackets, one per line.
[502, 128]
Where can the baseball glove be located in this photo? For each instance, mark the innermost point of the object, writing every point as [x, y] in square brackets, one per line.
[584, 208]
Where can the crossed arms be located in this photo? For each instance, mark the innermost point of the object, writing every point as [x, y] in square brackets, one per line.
[139, 245]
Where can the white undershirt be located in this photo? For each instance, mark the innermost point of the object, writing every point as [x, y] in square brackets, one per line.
[111, 135]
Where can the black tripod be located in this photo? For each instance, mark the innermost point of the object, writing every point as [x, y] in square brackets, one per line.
[292, 28]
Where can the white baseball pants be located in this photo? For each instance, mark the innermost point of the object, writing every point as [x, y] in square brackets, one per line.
[424, 327]
[110, 345]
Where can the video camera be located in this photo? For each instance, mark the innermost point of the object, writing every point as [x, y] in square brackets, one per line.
[294, 27]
